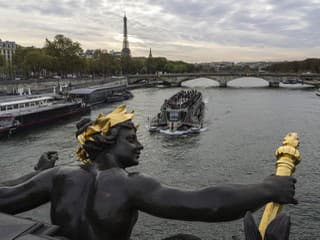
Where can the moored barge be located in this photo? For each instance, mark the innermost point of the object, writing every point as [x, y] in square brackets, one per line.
[113, 91]
[182, 113]
[26, 113]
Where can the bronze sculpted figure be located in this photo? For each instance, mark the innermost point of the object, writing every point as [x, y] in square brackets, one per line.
[100, 199]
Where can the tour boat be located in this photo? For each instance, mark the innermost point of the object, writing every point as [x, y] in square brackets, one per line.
[22, 114]
[183, 113]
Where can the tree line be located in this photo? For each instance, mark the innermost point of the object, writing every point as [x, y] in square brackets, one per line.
[64, 57]
[311, 65]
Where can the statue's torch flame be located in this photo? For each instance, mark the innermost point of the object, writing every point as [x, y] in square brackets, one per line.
[288, 156]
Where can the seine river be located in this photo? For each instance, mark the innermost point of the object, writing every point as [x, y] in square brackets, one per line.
[245, 124]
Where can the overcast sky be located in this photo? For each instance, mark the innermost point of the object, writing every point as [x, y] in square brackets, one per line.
[189, 30]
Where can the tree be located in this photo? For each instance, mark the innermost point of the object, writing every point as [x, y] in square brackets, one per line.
[31, 61]
[66, 52]
[178, 67]
[39, 63]
[126, 64]
[308, 65]
[137, 65]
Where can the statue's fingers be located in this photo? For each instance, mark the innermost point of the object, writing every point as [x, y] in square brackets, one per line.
[52, 153]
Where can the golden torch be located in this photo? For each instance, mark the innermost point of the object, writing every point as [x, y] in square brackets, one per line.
[288, 156]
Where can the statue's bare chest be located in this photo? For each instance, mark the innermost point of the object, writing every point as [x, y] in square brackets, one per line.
[110, 203]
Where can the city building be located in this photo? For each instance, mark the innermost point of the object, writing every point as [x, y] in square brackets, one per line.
[115, 53]
[261, 66]
[7, 49]
[216, 66]
[89, 53]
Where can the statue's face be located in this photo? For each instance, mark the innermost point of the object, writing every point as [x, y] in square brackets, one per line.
[127, 148]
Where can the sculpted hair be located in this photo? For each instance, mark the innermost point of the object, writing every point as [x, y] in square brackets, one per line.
[101, 142]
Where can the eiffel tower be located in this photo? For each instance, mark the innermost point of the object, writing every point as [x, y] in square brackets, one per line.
[125, 44]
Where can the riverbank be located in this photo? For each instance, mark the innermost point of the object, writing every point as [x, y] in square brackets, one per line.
[37, 86]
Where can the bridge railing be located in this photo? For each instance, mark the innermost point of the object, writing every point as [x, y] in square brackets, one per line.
[240, 74]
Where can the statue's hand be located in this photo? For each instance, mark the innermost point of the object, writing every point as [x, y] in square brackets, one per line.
[282, 189]
[47, 160]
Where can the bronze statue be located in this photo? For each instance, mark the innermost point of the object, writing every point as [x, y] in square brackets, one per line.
[100, 199]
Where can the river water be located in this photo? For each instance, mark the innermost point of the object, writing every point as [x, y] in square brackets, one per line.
[245, 124]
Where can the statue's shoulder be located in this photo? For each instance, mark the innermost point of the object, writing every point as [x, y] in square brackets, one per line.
[74, 170]
[138, 175]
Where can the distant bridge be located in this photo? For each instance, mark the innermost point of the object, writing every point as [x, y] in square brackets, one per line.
[176, 79]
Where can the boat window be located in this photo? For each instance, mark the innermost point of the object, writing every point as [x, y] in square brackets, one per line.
[3, 108]
[183, 115]
[173, 116]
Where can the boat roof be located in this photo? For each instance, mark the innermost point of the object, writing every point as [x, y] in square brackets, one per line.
[10, 98]
[184, 98]
[90, 90]
[82, 91]
[25, 111]
[25, 101]
[116, 82]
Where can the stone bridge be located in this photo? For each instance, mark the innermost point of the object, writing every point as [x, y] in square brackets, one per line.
[273, 79]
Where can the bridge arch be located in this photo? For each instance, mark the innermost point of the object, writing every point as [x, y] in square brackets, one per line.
[248, 81]
[197, 79]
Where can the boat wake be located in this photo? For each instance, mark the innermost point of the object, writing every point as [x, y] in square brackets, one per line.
[179, 133]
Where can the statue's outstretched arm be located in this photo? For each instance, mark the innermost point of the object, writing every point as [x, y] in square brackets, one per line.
[19, 180]
[212, 204]
[47, 160]
[27, 195]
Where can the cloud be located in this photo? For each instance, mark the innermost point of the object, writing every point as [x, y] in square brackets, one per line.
[189, 30]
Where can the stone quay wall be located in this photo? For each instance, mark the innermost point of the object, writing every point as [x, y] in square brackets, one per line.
[47, 86]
